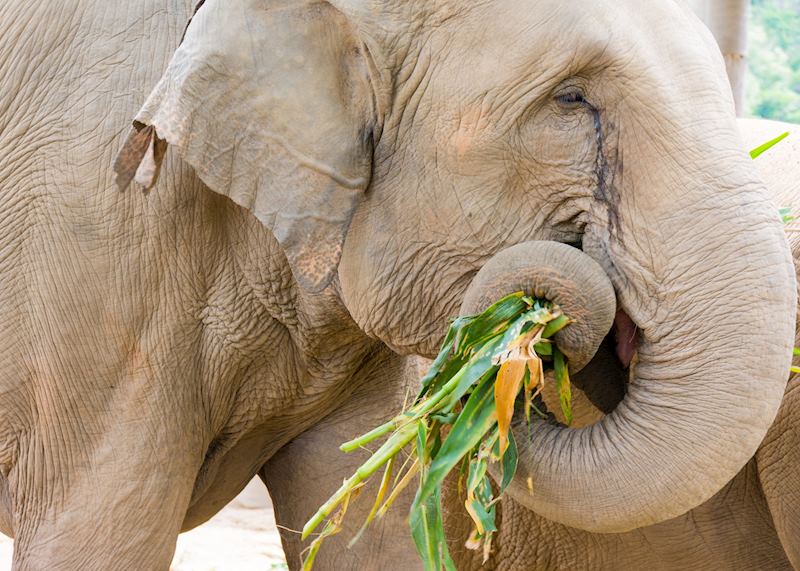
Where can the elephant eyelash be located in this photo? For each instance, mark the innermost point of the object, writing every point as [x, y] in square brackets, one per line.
[571, 99]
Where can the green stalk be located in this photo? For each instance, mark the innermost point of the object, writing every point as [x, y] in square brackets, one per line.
[392, 446]
[555, 326]
[413, 414]
[387, 476]
[326, 508]
[768, 145]
[370, 436]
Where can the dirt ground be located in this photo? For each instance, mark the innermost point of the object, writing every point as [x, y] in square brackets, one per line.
[242, 537]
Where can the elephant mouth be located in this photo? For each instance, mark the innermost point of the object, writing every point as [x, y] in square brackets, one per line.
[603, 381]
[626, 338]
[601, 342]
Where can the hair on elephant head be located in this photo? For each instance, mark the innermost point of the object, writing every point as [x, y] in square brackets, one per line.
[411, 142]
[270, 104]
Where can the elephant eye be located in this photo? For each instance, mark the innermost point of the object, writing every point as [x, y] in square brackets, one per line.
[571, 99]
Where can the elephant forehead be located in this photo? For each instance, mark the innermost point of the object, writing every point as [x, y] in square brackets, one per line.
[498, 47]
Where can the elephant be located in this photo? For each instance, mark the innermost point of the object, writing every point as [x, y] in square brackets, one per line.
[244, 278]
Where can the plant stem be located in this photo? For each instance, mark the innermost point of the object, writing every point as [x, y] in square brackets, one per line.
[555, 326]
[373, 434]
[392, 446]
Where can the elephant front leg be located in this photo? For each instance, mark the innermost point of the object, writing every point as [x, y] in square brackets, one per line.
[110, 500]
[308, 470]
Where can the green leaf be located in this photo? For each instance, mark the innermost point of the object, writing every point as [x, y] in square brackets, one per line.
[491, 321]
[422, 439]
[477, 371]
[785, 212]
[477, 417]
[445, 352]
[516, 328]
[477, 470]
[447, 373]
[555, 326]
[449, 418]
[796, 351]
[479, 497]
[563, 384]
[768, 145]
[427, 529]
[484, 513]
[509, 462]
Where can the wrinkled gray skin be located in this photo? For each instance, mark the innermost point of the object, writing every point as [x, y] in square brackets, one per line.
[160, 348]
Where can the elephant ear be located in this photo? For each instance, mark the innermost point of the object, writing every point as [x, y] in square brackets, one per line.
[269, 101]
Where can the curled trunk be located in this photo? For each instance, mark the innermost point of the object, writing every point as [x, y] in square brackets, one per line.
[706, 387]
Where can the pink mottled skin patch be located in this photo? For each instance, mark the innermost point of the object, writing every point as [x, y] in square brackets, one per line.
[472, 121]
[625, 332]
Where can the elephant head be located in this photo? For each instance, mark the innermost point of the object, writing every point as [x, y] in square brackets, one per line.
[396, 148]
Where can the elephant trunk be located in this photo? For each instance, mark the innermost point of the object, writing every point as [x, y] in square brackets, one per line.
[559, 273]
[705, 388]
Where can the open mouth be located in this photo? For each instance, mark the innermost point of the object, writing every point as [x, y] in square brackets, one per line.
[625, 335]
[604, 380]
[601, 385]
[601, 342]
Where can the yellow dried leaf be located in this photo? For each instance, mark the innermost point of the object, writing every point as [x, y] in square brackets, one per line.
[506, 389]
[529, 338]
[487, 548]
[473, 541]
[479, 530]
[399, 487]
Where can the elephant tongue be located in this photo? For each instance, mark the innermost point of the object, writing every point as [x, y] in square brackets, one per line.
[625, 335]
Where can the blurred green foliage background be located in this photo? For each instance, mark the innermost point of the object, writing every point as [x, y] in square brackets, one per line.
[773, 82]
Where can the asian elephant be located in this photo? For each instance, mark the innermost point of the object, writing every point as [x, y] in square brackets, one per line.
[323, 182]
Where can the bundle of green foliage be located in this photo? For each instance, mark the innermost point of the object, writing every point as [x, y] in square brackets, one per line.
[490, 365]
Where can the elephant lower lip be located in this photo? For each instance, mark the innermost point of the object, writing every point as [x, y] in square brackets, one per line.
[625, 333]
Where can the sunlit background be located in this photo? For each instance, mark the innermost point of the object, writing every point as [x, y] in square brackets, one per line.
[772, 89]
